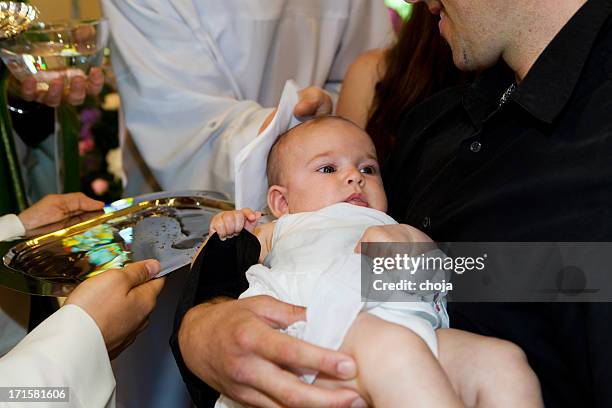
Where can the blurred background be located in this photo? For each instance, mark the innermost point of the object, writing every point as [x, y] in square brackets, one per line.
[64, 9]
[97, 120]
[100, 160]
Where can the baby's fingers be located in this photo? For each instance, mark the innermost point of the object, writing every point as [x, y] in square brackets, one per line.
[251, 218]
[232, 223]
[218, 225]
[219, 228]
[228, 223]
[227, 226]
[237, 223]
[250, 214]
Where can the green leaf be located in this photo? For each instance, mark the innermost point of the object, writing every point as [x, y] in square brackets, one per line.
[12, 192]
[401, 7]
[69, 131]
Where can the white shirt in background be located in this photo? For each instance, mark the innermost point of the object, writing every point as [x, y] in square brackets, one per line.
[198, 77]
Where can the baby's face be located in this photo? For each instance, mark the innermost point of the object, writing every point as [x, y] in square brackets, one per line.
[329, 163]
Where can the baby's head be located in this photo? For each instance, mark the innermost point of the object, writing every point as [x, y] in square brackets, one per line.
[321, 162]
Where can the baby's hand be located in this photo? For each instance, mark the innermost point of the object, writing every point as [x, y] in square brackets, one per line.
[229, 223]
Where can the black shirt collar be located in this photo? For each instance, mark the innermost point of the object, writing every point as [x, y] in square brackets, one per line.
[482, 97]
[550, 83]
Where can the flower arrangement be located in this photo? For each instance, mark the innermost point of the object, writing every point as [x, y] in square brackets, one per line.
[100, 157]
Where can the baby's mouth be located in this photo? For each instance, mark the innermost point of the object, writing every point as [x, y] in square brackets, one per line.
[357, 199]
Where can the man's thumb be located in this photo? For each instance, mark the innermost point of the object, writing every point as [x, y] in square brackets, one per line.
[279, 313]
[305, 107]
[140, 272]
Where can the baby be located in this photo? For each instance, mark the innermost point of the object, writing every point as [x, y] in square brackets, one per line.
[326, 191]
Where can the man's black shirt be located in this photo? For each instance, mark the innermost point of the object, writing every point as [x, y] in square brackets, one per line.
[538, 168]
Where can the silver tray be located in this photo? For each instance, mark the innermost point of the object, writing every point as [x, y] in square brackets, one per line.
[165, 226]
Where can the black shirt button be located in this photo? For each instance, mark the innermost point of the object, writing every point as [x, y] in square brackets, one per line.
[426, 222]
[475, 147]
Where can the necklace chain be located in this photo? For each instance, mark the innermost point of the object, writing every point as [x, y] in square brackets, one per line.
[507, 94]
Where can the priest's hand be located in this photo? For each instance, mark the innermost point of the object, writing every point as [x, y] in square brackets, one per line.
[120, 301]
[313, 102]
[54, 91]
[57, 207]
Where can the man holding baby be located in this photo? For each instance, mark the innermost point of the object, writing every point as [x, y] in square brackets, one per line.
[522, 154]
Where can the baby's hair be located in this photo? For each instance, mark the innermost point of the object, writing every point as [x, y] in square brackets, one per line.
[274, 163]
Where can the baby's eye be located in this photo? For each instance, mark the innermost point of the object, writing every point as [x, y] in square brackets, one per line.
[368, 170]
[326, 169]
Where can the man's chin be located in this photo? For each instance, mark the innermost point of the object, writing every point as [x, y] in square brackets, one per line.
[467, 61]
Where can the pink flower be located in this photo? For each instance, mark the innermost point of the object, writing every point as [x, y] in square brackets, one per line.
[396, 21]
[85, 146]
[99, 186]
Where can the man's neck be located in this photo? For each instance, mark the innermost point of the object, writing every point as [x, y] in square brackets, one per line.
[538, 27]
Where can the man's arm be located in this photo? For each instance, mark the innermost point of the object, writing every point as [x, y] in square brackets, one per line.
[65, 350]
[359, 87]
[235, 345]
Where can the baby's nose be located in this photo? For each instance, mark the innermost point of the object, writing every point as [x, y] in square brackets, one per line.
[355, 177]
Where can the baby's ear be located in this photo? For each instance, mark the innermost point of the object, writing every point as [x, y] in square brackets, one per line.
[277, 201]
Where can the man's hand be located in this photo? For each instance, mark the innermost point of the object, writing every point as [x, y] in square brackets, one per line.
[235, 347]
[229, 223]
[314, 101]
[80, 86]
[392, 233]
[57, 207]
[119, 301]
